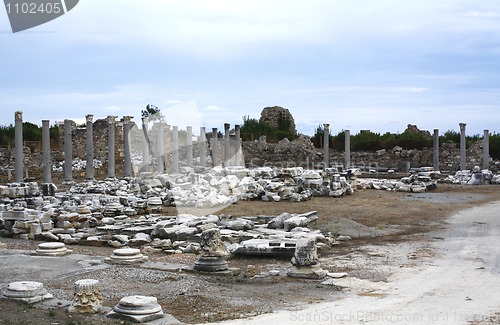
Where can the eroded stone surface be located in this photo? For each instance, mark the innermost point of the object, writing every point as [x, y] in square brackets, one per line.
[87, 298]
[138, 309]
[27, 291]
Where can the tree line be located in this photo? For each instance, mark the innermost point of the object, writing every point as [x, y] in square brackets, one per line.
[408, 140]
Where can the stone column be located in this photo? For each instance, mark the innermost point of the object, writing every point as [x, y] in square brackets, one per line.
[237, 145]
[189, 146]
[127, 156]
[203, 147]
[227, 147]
[68, 152]
[90, 148]
[326, 144]
[111, 146]
[347, 150]
[436, 150]
[145, 145]
[175, 149]
[161, 148]
[47, 161]
[19, 154]
[486, 150]
[215, 147]
[462, 147]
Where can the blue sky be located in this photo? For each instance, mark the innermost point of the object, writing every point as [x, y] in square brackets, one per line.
[356, 64]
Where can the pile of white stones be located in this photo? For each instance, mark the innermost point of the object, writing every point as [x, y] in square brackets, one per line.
[476, 176]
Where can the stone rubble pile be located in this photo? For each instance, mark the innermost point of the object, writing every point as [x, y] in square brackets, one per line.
[127, 213]
[476, 176]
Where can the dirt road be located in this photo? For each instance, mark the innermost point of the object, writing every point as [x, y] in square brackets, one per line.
[457, 283]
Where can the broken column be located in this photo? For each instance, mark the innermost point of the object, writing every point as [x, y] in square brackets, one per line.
[203, 147]
[237, 144]
[227, 147]
[27, 291]
[436, 150]
[87, 298]
[137, 309]
[347, 150]
[111, 146]
[213, 252]
[161, 148]
[127, 155]
[52, 249]
[19, 155]
[215, 147]
[68, 152]
[189, 146]
[47, 161]
[175, 149]
[462, 147]
[90, 148]
[126, 256]
[326, 144]
[305, 260]
[486, 150]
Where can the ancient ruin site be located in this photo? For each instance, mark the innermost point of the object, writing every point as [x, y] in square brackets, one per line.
[132, 220]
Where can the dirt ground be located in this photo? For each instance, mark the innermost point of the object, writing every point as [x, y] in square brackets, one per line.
[376, 220]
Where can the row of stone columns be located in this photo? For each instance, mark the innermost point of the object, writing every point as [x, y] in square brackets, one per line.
[89, 148]
[347, 153]
[68, 177]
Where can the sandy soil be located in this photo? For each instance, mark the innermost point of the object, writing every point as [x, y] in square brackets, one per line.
[402, 250]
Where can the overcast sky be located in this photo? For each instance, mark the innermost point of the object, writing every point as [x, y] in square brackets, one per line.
[356, 64]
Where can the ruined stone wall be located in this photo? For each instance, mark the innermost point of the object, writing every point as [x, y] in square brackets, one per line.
[301, 152]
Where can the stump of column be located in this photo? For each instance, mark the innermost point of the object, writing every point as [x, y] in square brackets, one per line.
[213, 252]
[214, 144]
[305, 262]
[137, 309]
[68, 153]
[127, 155]
[28, 291]
[111, 146]
[203, 147]
[87, 298]
[18, 152]
[462, 147]
[436, 150]
[52, 249]
[126, 256]
[486, 150]
[3, 246]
